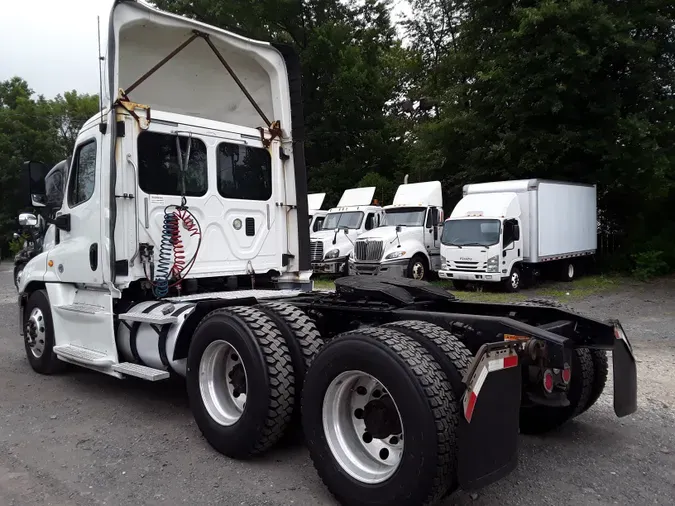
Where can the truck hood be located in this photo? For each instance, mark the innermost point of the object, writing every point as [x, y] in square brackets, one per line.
[411, 239]
[342, 242]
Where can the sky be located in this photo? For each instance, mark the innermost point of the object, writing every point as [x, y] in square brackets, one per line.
[53, 44]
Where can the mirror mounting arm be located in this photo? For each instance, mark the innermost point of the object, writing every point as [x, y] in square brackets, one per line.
[61, 222]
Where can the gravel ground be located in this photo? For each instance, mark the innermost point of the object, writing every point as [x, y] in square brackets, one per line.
[87, 439]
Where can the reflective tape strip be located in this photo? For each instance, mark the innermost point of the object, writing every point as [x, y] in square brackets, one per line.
[486, 367]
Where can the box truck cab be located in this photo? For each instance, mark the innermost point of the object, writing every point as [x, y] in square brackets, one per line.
[316, 215]
[504, 231]
[409, 243]
[331, 246]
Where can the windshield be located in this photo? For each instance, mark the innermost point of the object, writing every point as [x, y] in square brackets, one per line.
[471, 232]
[405, 217]
[350, 219]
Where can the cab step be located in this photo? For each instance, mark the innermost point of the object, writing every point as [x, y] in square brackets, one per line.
[79, 307]
[83, 356]
[157, 319]
[140, 371]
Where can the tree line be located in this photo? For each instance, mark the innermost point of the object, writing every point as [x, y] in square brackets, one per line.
[462, 92]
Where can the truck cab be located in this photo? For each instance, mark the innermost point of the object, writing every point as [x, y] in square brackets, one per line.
[481, 241]
[316, 214]
[409, 243]
[331, 246]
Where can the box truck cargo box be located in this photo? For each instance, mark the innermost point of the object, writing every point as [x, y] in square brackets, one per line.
[502, 231]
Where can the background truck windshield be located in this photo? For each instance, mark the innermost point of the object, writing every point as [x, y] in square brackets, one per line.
[406, 217]
[471, 232]
[351, 219]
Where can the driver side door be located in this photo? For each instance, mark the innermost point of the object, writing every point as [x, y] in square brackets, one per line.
[77, 255]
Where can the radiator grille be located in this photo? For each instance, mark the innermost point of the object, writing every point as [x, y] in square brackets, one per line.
[368, 250]
[316, 250]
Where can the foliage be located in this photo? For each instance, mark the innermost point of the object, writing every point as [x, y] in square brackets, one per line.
[577, 90]
[649, 264]
[32, 128]
[15, 245]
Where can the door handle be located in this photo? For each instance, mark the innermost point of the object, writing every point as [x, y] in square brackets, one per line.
[93, 256]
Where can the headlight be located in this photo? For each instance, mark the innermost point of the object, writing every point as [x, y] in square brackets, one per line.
[332, 254]
[395, 254]
[493, 264]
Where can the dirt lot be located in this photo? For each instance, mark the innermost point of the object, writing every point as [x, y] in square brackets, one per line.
[86, 439]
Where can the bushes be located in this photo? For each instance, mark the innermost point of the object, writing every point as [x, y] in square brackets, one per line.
[649, 264]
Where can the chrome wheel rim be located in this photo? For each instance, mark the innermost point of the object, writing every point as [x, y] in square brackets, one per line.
[570, 271]
[36, 334]
[515, 279]
[223, 383]
[418, 271]
[366, 448]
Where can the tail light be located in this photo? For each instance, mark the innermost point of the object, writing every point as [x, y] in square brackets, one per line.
[566, 374]
[548, 381]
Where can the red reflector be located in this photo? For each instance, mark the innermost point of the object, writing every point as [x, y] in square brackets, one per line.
[511, 361]
[566, 374]
[548, 381]
[470, 406]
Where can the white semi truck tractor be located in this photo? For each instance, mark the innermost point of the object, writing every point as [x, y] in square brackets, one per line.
[508, 231]
[355, 214]
[192, 181]
[409, 243]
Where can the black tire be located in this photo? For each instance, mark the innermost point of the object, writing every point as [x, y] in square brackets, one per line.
[446, 348]
[417, 263]
[460, 285]
[600, 373]
[270, 394]
[567, 271]
[425, 401]
[540, 419]
[47, 362]
[599, 357]
[514, 282]
[302, 338]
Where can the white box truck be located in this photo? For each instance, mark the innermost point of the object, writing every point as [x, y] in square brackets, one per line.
[503, 232]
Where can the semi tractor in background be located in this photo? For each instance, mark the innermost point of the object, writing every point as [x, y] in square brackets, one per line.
[316, 214]
[407, 393]
[409, 243]
[510, 232]
[331, 246]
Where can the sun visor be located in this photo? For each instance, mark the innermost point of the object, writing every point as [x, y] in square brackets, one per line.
[193, 81]
[315, 201]
[357, 197]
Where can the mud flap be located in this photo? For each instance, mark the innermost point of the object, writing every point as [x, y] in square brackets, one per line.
[488, 429]
[625, 374]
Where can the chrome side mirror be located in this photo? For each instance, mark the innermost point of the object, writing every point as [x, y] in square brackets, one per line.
[28, 220]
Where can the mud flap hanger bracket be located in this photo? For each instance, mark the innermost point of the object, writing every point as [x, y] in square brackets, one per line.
[274, 128]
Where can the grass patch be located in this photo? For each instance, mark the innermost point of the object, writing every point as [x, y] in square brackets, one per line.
[323, 284]
[582, 287]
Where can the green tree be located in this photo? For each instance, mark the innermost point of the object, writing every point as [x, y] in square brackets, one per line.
[70, 111]
[33, 128]
[579, 90]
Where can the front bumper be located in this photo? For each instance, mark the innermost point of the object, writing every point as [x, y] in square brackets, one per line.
[489, 277]
[394, 268]
[333, 266]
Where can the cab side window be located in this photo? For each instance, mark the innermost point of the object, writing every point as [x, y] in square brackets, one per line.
[318, 224]
[370, 221]
[83, 176]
